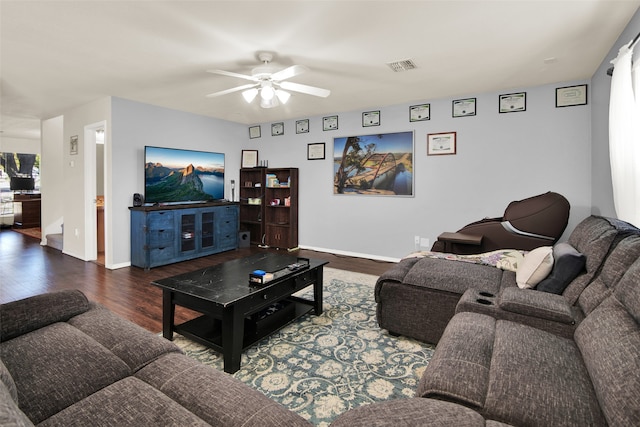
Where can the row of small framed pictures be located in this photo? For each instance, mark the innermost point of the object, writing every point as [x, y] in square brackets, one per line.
[507, 103]
[438, 144]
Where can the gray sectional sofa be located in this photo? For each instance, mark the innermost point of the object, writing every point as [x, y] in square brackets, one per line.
[523, 357]
[68, 362]
[419, 296]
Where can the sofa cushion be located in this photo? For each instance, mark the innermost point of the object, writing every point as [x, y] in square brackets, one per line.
[29, 314]
[131, 343]
[567, 264]
[615, 266]
[56, 366]
[225, 401]
[10, 414]
[609, 339]
[128, 402]
[514, 374]
[411, 412]
[536, 265]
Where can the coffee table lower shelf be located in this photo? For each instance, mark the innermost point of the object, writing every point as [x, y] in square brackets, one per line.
[207, 330]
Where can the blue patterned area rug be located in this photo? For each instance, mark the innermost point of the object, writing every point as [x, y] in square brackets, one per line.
[321, 366]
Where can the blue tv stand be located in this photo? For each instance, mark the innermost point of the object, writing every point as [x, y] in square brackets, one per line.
[166, 234]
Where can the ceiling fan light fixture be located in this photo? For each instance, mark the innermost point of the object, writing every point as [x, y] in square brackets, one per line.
[267, 93]
[269, 103]
[283, 96]
[250, 95]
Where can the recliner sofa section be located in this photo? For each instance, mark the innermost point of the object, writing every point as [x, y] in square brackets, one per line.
[419, 296]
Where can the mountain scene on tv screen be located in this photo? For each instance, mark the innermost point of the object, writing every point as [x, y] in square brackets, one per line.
[166, 184]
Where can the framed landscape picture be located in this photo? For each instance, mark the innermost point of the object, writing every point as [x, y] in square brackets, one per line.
[374, 165]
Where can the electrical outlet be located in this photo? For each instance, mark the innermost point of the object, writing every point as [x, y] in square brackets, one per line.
[424, 242]
[416, 240]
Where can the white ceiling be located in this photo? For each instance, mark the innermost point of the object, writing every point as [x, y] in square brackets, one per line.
[56, 55]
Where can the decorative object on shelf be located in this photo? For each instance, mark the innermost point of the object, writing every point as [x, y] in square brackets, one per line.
[570, 96]
[254, 132]
[380, 164]
[330, 123]
[249, 158]
[463, 107]
[371, 118]
[73, 146]
[315, 151]
[277, 129]
[513, 102]
[418, 113]
[302, 126]
[441, 143]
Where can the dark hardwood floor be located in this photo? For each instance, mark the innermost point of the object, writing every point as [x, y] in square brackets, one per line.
[27, 269]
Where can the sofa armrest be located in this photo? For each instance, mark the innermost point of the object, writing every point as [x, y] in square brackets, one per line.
[543, 305]
[26, 315]
[410, 412]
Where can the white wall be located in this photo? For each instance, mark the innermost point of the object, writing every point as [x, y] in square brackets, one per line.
[19, 145]
[73, 171]
[52, 177]
[500, 158]
[601, 88]
[135, 125]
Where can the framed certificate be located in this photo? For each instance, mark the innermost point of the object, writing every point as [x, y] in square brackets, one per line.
[254, 132]
[463, 107]
[371, 118]
[277, 129]
[441, 143]
[302, 126]
[315, 151]
[571, 95]
[249, 158]
[513, 102]
[418, 113]
[330, 123]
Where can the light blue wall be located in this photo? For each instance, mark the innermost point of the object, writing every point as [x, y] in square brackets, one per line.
[500, 158]
[135, 125]
[601, 85]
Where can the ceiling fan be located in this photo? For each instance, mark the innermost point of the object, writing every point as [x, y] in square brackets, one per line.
[269, 83]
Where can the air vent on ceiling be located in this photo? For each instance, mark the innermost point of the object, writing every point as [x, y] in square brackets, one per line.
[404, 65]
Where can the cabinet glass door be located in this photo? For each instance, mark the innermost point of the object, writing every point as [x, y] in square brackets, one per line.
[187, 232]
[207, 238]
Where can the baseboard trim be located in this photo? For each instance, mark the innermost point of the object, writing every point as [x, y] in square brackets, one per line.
[351, 254]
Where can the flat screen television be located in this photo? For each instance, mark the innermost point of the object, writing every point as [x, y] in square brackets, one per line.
[173, 175]
[19, 183]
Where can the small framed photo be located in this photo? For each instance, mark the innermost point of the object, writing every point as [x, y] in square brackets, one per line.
[463, 107]
[439, 144]
[249, 158]
[571, 95]
[330, 123]
[315, 151]
[73, 145]
[254, 132]
[277, 129]
[513, 102]
[371, 118]
[418, 113]
[302, 126]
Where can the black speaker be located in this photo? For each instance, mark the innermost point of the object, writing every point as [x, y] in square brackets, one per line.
[244, 239]
[138, 199]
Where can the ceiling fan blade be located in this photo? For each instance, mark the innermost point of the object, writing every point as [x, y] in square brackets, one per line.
[309, 90]
[232, 74]
[287, 73]
[233, 89]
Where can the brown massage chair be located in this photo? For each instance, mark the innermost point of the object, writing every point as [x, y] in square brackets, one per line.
[525, 225]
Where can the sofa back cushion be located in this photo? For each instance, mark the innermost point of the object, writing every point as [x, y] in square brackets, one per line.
[593, 237]
[609, 340]
[26, 315]
[615, 266]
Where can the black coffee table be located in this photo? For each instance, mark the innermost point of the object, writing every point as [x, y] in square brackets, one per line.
[237, 314]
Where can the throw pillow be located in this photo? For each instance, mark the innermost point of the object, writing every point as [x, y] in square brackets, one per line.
[568, 264]
[536, 265]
